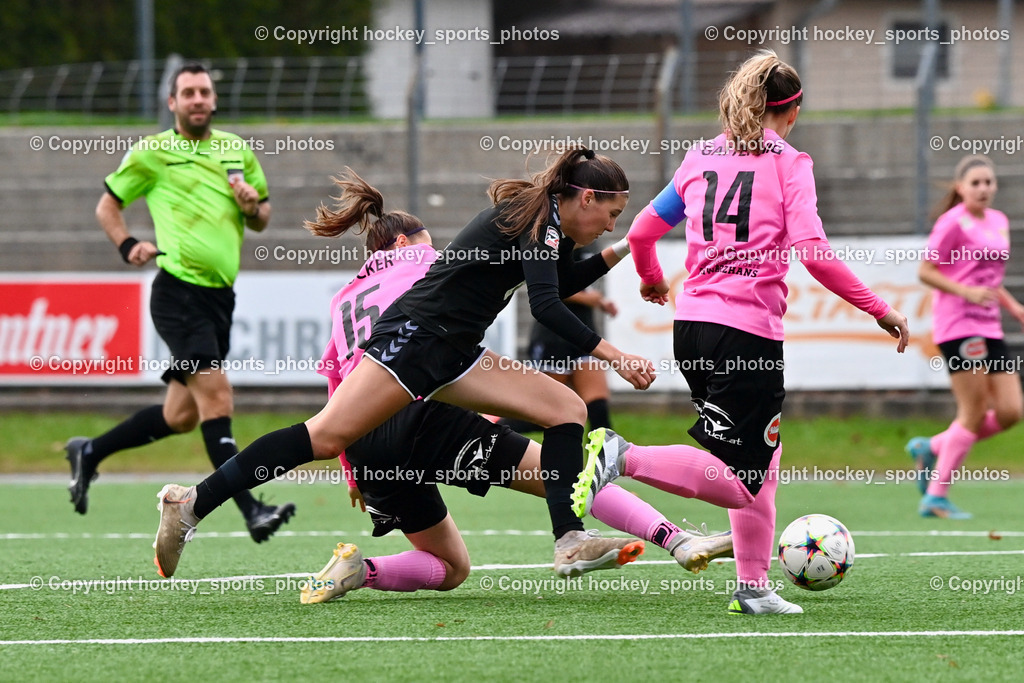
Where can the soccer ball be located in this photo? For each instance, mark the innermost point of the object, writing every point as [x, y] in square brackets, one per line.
[816, 552]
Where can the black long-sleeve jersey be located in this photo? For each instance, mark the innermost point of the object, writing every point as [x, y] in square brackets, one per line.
[476, 275]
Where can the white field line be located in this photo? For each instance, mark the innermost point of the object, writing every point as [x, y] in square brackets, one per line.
[519, 638]
[482, 532]
[129, 581]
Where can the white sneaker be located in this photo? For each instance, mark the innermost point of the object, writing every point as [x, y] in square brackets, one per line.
[754, 600]
[344, 572]
[177, 526]
[693, 551]
[579, 552]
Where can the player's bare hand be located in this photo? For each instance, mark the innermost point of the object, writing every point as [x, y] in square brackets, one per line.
[247, 198]
[895, 323]
[982, 296]
[609, 307]
[356, 497]
[636, 370]
[656, 293]
[142, 253]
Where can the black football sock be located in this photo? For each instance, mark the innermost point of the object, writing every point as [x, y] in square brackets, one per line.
[561, 460]
[267, 457]
[598, 415]
[146, 426]
[221, 447]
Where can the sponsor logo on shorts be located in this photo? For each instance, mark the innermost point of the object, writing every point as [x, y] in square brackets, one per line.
[717, 422]
[716, 417]
[974, 348]
[471, 456]
[771, 432]
[382, 519]
[475, 455]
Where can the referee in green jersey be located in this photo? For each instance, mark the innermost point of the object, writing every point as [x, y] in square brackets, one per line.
[203, 187]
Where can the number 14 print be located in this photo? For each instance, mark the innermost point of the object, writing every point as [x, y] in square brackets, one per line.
[744, 185]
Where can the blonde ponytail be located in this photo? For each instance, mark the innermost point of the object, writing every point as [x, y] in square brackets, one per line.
[762, 84]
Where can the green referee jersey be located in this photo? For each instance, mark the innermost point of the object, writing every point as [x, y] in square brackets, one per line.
[185, 182]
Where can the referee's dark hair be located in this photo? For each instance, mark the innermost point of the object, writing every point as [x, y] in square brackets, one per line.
[187, 68]
[526, 201]
[363, 205]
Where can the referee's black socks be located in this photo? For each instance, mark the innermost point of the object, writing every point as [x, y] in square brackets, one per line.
[146, 426]
[221, 447]
[561, 460]
[267, 457]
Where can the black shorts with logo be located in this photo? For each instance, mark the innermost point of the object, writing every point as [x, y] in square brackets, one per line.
[194, 322]
[736, 382]
[421, 361]
[978, 354]
[398, 465]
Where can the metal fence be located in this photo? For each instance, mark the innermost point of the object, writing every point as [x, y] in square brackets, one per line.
[335, 86]
[338, 86]
[316, 86]
[594, 83]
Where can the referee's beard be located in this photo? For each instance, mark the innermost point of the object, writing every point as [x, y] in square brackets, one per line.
[198, 131]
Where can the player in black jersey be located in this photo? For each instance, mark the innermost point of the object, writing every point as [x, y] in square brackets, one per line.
[428, 345]
[557, 358]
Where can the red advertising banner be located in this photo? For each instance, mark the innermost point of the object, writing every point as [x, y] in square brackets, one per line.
[63, 328]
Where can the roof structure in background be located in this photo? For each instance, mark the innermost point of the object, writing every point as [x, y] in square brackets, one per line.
[639, 18]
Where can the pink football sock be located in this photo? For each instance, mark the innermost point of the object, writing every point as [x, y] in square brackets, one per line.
[989, 427]
[406, 572]
[938, 441]
[753, 530]
[687, 471]
[620, 509]
[954, 451]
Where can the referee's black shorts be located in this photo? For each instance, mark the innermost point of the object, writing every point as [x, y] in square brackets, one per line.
[398, 465]
[736, 384]
[194, 322]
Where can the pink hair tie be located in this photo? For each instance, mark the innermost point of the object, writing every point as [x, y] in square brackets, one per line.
[785, 101]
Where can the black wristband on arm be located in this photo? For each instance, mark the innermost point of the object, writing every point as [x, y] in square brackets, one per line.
[126, 248]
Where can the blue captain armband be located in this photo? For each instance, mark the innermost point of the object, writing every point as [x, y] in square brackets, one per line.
[669, 205]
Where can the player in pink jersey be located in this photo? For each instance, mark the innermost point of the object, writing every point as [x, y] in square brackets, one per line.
[748, 201]
[967, 254]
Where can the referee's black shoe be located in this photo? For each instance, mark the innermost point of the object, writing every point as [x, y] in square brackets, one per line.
[80, 480]
[263, 520]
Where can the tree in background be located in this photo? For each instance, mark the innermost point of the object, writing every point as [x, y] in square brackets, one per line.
[48, 32]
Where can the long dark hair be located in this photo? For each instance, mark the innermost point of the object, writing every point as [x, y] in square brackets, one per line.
[525, 202]
[363, 205]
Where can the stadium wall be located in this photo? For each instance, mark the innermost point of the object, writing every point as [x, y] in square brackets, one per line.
[864, 168]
